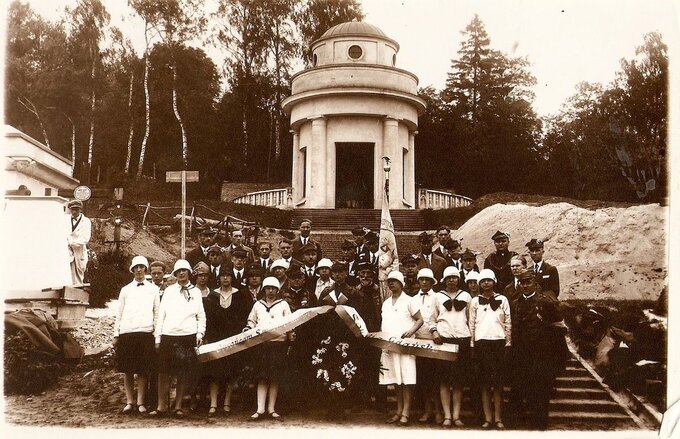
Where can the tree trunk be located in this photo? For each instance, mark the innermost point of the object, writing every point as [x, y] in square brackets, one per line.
[31, 107]
[175, 109]
[93, 102]
[147, 107]
[131, 133]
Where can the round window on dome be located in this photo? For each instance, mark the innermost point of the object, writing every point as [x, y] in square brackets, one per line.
[355, 52]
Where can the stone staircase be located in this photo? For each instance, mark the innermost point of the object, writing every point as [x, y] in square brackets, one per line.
[346, 219]
[330, 242]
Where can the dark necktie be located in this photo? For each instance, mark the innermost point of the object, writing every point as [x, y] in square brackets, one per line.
[536, 267]
[239, 278]
[140, 284]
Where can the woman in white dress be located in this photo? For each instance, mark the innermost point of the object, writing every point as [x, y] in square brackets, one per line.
[401, 318]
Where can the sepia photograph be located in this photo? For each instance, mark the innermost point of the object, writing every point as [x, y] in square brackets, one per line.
[399, 216]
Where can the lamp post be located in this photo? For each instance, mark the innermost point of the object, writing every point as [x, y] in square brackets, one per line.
[386, 168]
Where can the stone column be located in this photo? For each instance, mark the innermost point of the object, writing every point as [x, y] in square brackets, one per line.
[392, 150]
[331, 170]
[298, 174]
[316, 160]
[410, 170]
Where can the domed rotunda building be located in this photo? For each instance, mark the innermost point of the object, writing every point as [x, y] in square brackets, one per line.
[349, 110]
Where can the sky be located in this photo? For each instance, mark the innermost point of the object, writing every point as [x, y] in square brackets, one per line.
[566, 42]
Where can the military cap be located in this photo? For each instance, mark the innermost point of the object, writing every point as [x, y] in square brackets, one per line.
[409, 258]
[424, 237]
[215, 249]
[347, 244]
[365, 266]
[469, 254]
[309, 247]
[339, 266]
[239, 253]
[360, 231]
[201, 268]
[372, 237]
[526, 274]
[535, 243]
[500, 235]
[75, 203]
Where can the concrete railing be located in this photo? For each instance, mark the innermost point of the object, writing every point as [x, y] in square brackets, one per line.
[279, 198]
[431, 199]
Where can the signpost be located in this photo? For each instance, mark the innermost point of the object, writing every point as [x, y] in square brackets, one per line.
[183, 177]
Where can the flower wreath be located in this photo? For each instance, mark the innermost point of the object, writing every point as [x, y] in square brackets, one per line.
[334, 368]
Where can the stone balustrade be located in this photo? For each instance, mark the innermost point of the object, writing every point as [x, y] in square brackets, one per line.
[432, 199]
[278, 198]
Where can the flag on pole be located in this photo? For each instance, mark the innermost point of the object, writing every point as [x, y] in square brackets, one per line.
[389, 259]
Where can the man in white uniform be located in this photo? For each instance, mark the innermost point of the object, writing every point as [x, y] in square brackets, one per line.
[79, 233]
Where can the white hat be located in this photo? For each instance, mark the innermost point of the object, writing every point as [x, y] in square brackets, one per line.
[487, 274]
[450, 271]
[139, 260]
[473, 275]
[324, 262]
[426, 272]
[396, 275]
[270, 281]
[279, 263]
[181, 264]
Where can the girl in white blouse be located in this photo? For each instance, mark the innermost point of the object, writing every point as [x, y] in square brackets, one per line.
[451, 326]
[179, 330]
[138, 304]
[269, 357]
[490, 340]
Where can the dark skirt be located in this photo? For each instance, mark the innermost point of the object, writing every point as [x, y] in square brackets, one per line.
[269, 360]
[490, 355]
[135, 353]
[177, 354]
[426, 373]
[226, 368]
[456, 373]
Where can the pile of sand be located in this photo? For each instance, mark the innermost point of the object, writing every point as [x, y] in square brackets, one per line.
[610, 253]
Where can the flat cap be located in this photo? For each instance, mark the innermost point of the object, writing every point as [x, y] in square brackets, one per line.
[75, 203]
[201, 268]
[360, 231]
[409, 258]
[309, 247]
[239, 253]
[347, 244]
[424, 237]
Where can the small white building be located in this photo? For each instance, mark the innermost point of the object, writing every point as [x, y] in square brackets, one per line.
[349, 110]
[34, 226]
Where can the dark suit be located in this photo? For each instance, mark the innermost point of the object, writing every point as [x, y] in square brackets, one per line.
[297, 244]
[437, 265]
[548, 278]
[213, 278]
[266, 266]
[310, 281]
[249, 258]
[438, 251]
[196, 255]
[235, 282]
[511, 291]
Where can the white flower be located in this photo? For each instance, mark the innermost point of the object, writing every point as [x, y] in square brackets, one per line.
[326, 341]
[344, 355]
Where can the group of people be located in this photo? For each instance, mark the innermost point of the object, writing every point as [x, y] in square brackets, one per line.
[503, 318]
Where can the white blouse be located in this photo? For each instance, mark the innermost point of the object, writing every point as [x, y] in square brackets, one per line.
[487, 324]
[453, 324]
[137, 308]
[178, 315]
[265, 316]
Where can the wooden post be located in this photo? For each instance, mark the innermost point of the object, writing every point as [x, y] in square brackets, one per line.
[184, 208]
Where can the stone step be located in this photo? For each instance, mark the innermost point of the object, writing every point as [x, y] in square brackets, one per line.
[572, 371]
[583, 415]
[582, 405]
[347, 219]
[576, 382]
[580, 393]
[330, 243]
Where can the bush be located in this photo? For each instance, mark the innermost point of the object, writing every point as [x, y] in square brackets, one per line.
[107, 278]
[28, 370]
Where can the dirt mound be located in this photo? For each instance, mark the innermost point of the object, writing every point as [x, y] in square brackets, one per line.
[608, 253]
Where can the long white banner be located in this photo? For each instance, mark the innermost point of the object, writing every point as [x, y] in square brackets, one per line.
[413, 346]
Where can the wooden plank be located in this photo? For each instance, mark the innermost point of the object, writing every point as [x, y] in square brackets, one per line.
[176, 176]
[78, 294]
[26, 295]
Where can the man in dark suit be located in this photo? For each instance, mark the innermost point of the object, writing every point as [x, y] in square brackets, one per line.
[237, 243]
[409, 265]
[427, 259]
[215, 263]
[303, 239]
[264, 250]
[499, 261]
[349, 257]
[359, 234]
[547, 276]
[238, 266]
[517, 265]
[309, 260]
[469, 262]
[370, 254]
[443, 234]
[206, 238]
